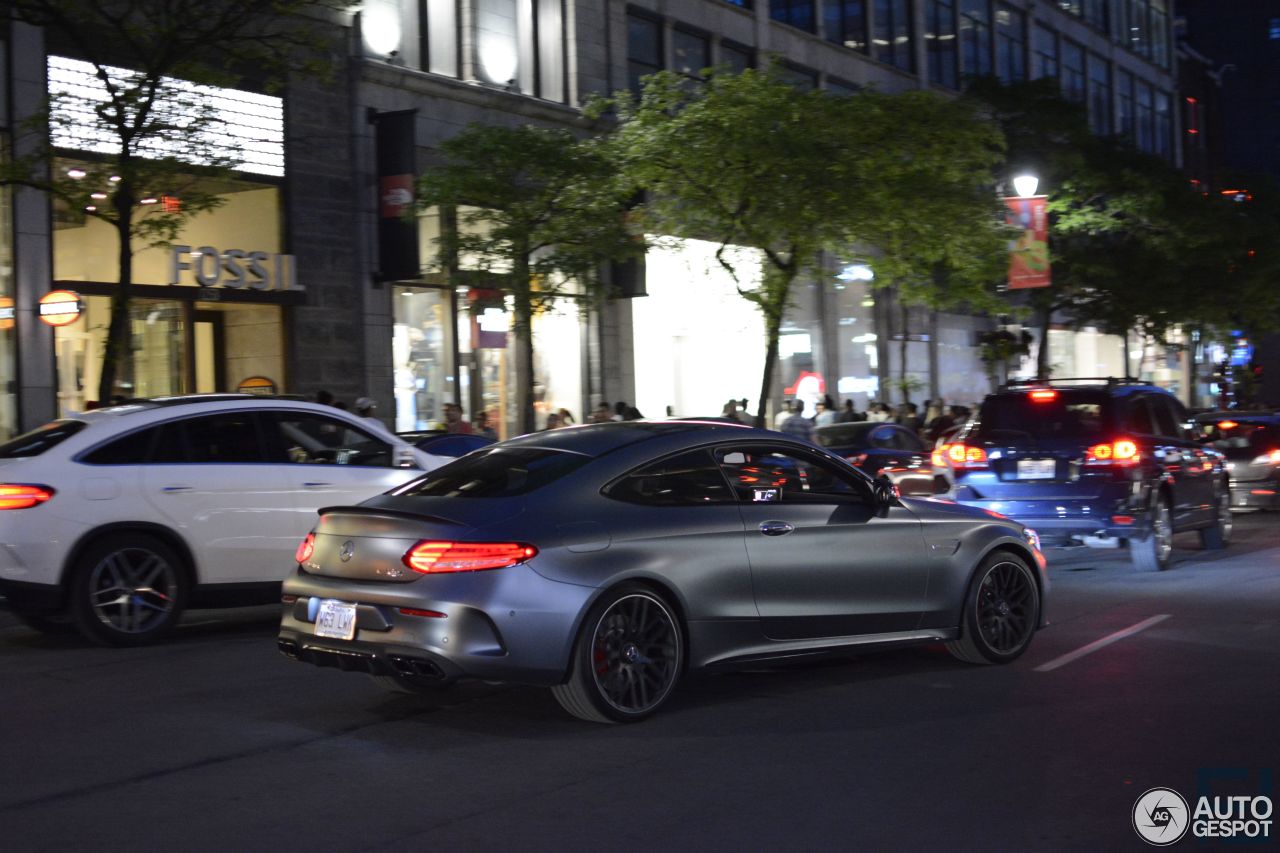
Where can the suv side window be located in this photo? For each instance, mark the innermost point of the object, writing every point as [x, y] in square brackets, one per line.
[1165, 419]
[307, 438]
[685, 480]
[1139, 417]
[776, 475]
[131, 449]
[224, 438]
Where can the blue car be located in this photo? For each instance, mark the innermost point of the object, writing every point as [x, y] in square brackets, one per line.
[1106, 463]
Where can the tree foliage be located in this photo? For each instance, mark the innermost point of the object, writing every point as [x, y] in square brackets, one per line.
[747, 160]
[161, 136]
[539, 213]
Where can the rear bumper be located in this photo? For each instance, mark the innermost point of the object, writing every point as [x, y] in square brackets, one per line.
[1255, 494]
[1061, 522]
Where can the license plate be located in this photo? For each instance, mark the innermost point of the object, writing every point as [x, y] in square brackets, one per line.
[1037, 469]
[336, 619]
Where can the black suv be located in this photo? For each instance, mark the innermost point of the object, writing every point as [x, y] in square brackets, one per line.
[1100, 462]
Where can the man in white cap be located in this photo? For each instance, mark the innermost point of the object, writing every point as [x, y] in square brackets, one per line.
[364, 410]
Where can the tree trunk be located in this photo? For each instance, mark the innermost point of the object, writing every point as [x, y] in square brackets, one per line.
[902, 356]
[115, 351]
[525, 417]
[1043, 317]
[773, 325]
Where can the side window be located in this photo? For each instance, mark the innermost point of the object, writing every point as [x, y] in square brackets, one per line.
[1166, 422]
[684, 480]
[310, 438]
[773, 475]
[132, 449]
[1138, 418]
[227, 437]
[906, 440]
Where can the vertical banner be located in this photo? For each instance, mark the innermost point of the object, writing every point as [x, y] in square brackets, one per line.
[397, 234]
[1029, 252]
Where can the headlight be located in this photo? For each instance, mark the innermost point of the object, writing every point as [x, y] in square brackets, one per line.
[1033, 538]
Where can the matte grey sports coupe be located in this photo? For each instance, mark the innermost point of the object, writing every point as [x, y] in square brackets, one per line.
[605, 560]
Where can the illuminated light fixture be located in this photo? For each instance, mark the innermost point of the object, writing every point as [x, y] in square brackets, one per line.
[91, 207]
[496, 55]
[1227, 424]
[149, 200]
[76, 173]
[98, 196]
[115, 179]
[380, 24]
[856, 272]
[1025, 185]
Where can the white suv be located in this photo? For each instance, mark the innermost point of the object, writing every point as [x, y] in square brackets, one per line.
[116, 520]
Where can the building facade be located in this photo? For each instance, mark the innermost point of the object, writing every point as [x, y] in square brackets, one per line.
[343, 315]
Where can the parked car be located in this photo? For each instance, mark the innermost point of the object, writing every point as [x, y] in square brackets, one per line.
[116, 520]
[605, 560]
[884, 448]
[441, 443]
[1104, 463]
[1251, 443]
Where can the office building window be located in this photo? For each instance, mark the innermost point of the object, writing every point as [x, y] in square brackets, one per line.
[644, 49]
[1095, 14]
[836, 86]
[798, 76]
[893, 34]
[690, 52]
[519, 45]
[1099, 95]
[1011, 44]
[845, 23]
[735, 57]
[1070, 6]
[796, 13]
[1072, 75]
[1044, 52]
[438, 36]
[1273, 29]
[940, 43]
[1158, 28]
[1125, 113]
[742, 4]
[1138, 36]
[975, 37]
[1144, 119]
[1164, 125]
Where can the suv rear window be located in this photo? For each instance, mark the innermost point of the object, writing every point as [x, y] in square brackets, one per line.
[1248, 438]
[1068, 415]
[40, 439]
[497, 473]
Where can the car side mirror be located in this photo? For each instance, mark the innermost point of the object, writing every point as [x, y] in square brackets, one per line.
[885, 494]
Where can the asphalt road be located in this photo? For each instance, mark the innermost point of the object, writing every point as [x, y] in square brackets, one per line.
[214, 741]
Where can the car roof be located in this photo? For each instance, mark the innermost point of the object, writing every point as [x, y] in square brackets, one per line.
[1114, 389]
[598, 439]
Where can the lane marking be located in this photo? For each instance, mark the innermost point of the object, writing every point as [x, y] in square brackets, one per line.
[1102, 643]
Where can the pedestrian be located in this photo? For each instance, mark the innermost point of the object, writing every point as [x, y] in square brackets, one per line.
[553, 421]
[566, 417]
[878, 413]
[784, 414]
[603, 414]
[847, 415]
[480, 426]
[907, 417]
[365, 407]
[454, 423]
[939, 423]
[619, 411]
[731, 412]
[324, 398]
[798, 425]
[826, 412]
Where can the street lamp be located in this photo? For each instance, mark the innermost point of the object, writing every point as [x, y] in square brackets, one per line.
[1025, 185]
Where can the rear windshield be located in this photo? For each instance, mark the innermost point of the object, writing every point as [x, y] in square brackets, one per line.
[1067, 415]
[844, 434]
[1251, 438]
[498, 473]
[40, 439]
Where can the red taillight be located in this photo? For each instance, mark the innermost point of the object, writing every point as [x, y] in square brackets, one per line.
[1122, 451]
[22, 496]
[1226, 425]
[1122, 519]
[306, 549]
[1045, 396]
[425, 614]
[431, 556]
[962, 456]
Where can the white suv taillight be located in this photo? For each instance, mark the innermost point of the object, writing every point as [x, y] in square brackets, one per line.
[23, 495]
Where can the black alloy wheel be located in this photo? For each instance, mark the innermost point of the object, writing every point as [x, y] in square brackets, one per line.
[1001, 612]
[128, 590]
[627, 659]
[1219, 535]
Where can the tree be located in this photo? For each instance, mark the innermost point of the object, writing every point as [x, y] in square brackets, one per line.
[540, 211]
[158, 134]
[747, 160]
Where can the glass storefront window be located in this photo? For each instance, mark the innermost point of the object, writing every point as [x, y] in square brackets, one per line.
[422, 353]
[8, 342]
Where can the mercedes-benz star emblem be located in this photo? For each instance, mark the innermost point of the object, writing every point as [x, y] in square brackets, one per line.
[348, 548]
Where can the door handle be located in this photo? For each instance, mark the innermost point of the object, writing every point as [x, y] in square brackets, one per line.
[776, 528]
[176, 489]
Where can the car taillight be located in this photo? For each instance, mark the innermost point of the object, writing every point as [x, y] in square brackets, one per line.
[962, 456]
[1044, 396]
[1271, 457]
[1122, 451]
[431, 556]
[306, 549]
[23, 496]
